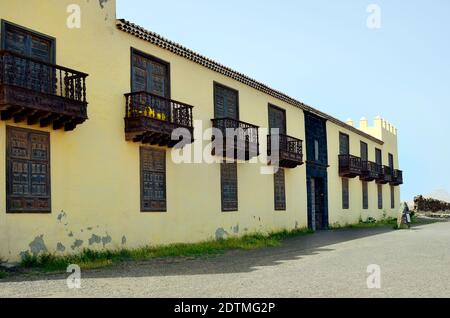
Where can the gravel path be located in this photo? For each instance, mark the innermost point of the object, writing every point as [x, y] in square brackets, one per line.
[414, 263]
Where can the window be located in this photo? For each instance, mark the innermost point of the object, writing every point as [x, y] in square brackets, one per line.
[316, 150]
[365, 195]
[153, 180]
[345, 194]
[150, 74]
[277, 119]
[364, 152]
[344, 144]
[229, 189]
[380, 196]
[280, 191]
[378, 157]
[226, 102]
[391, 161]
[392, 197]
[28, 171]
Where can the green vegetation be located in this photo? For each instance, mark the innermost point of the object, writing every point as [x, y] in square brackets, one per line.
[2, 274]
[89, 259]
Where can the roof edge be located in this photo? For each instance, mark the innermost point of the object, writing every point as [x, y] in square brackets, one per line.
[182, 51]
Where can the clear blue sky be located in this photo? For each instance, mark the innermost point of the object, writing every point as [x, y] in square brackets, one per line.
[322, 53]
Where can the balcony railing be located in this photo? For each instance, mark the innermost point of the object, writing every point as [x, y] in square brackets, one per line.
[290, 150]
[397, 177]
[385, 175]
[151, 119]
[349, 166]
[369, 170]
[236, 139]
[41, 93]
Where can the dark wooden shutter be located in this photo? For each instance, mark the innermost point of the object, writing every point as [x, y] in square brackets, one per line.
[380, 196]
[345, 194]
[277, 119]
[365, 195]
[225, 102]
[229, 187]
[344, 144]
[28, 170]
[280, 190]
[378, 157]
[153, 180]
[149, 75]
[391, 161]
[392, 197]
[364, 152]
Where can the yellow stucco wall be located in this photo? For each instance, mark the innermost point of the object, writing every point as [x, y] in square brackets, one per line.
[95, 172]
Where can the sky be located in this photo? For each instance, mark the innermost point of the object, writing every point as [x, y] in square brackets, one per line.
[323, 53]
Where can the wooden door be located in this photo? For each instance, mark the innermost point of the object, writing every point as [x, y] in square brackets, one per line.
[225, 102]
[277, 119]
[344, 144]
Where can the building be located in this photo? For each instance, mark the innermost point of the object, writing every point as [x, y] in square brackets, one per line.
[87, 110]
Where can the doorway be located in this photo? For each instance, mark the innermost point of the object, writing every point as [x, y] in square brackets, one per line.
[318, 217]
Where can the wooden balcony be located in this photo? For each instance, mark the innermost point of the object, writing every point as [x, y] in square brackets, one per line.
[369, 170]
[385, 175]
[235, 139]
[397, 177]
[151, 119]
[290, 150]
[41, 93]
[349, 166]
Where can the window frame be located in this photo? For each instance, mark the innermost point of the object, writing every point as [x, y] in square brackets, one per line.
[380, 196]
[222, 184]
[217, 84]
[142, 149]
[341, 134]
[8, 178]
[345, 193]
[279, 206]
[365, 195]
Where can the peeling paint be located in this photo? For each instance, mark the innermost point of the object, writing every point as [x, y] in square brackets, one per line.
[61, 216]
[124, 240]
[106, 239]
[38, 245]
[221, 234]
[60, 248]
[236, 229]
[77, 244]
[71, 234]
[95, 239]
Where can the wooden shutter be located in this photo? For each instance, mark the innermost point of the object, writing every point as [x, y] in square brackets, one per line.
[28, 170]
[225, 102]
[280, 190]
[391, 161]
[392, 197]
[345, 194]
[364, 151]
[365, 195]
[344, 144]
[378, 157]
[277, 119]
[229, 187]
[150, 75]
[153, 180]
[380, 196]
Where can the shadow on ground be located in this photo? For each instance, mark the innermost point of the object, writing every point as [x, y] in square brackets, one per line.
[237, 261]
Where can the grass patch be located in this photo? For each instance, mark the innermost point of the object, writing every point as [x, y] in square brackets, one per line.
[374, 224]
[90, 259]
[3, 274]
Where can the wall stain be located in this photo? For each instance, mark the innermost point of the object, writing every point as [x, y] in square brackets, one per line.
[71, 234]
[106, 240]
[38, 245]
[221, 234]
[60, 248]
[124, 240]
[95, 239]
[236, 229]
[102, 3]
[77, 244]
[61, 216]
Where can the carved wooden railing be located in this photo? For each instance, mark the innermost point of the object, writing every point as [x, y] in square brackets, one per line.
[39, 76]
[349, 166]
[290, 150]
[385, 175]
[148, 105]
[39, 91]
[397, 177]
[238, 135]
[369, 170]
